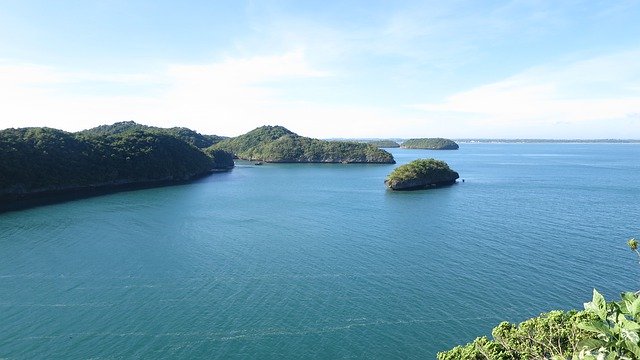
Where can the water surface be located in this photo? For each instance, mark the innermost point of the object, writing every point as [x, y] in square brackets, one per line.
[320, 261]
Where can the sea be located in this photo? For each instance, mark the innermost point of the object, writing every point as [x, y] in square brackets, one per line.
[321, 261]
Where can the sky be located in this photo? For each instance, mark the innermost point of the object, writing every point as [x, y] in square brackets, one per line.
[326, 69]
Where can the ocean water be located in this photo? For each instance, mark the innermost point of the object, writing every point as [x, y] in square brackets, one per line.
[321, 261]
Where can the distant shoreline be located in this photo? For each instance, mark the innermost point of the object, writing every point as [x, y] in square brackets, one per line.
[551, 141]
[23, 201]
[513, 141]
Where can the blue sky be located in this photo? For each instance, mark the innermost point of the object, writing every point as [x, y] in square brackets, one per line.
[492, 69]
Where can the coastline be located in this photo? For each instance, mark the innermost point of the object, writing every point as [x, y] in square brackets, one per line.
[27, 200]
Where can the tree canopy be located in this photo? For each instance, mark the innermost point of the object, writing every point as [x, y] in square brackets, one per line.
[430, 144]
[278, 144]
[421, 173]
[192, 137]
[48, 160]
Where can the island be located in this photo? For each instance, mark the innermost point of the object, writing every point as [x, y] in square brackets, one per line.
[383, 143]
[430, 144]
[276, 144]
[43, 162]
[421, 174]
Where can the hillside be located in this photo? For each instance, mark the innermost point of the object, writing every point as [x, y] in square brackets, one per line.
[48, 161]
[279, 145]
[430, 144]
[384, 143]
[192, 137]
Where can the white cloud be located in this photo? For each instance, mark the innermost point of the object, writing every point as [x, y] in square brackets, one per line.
[226, 97]
[579, 93]
[598, 97]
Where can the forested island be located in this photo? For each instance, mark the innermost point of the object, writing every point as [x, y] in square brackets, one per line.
[430, 144]
[421, 174]
[38, 162]
[383, 143]
[276, 144]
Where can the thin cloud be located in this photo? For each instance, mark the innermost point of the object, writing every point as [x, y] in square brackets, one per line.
[577, 92]
[225, 96]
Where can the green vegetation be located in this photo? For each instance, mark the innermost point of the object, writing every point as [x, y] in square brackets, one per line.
[421, 173]
[196, 139]
[277, 144]
[603, 330]
[551, 334]
[384, 143]
[44, 160]
[430, 143]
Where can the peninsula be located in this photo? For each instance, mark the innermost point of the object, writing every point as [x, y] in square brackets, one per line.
[43, 162]
[421, 174]
[430, 144]
[276, 144]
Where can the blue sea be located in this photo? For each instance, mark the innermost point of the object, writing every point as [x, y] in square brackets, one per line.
[320, 261]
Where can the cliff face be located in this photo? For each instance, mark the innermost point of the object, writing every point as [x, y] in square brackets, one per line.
[421, 174]
[279, 145]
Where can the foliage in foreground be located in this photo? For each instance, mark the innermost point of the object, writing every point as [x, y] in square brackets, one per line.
[550, 334]
[603, 331]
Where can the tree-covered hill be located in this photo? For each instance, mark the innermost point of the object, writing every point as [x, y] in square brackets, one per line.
[192, 137]
[277, 144]
[430, 144]
[383, 143]
[420, 174]
[47, 161]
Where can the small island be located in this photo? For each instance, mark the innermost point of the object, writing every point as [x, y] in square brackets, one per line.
[385, 144]
[276, 144]
[430, 144]
[421, 174]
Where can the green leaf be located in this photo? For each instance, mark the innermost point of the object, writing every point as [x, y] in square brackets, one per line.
[633, 347]
[634, 309]
[597, 326]
[600, 304]
[629, 325]
[590, 344]
[628, 296]
[630, 336]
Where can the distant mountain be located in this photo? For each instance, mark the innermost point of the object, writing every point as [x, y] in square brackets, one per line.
[280, 145]
[430, 144]
[194, 138]
[42, 161]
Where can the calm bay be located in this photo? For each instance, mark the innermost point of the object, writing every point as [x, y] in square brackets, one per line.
[320, 260]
